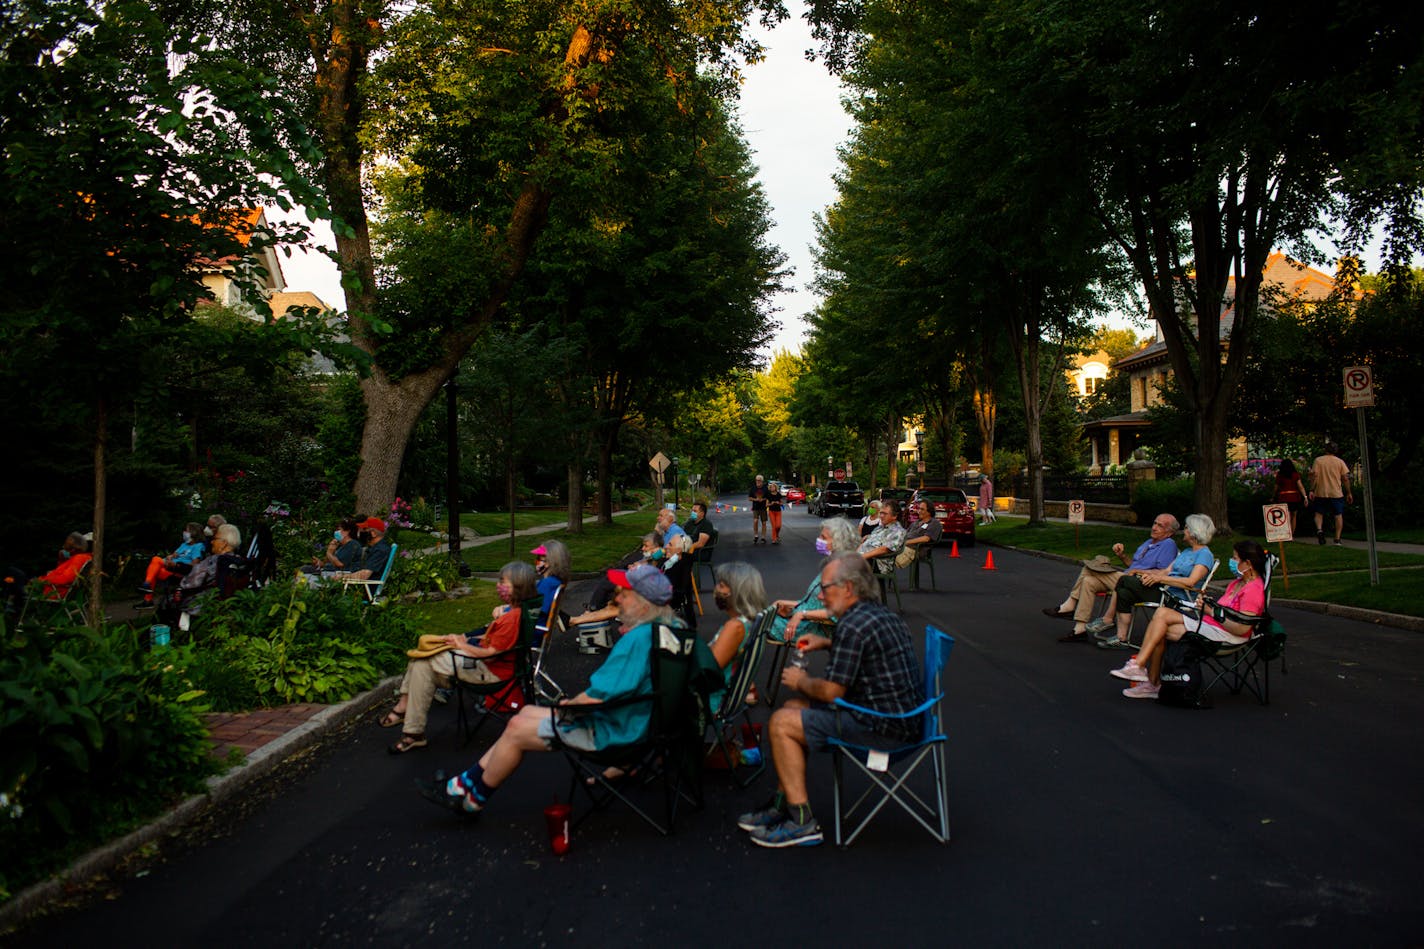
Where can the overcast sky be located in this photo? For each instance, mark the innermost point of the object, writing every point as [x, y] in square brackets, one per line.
[791, 114]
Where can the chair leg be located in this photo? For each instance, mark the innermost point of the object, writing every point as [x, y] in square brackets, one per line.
[837, 776]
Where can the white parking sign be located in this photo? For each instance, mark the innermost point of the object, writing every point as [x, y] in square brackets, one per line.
[1277, 518]
[1076, 510]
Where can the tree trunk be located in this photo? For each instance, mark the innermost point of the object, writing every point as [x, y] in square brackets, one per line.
[1026, 345]
[892, 454]
[575, 476]
[509, 493]
[392, 410]
[605, 485]
[101, 504]
[986, 412]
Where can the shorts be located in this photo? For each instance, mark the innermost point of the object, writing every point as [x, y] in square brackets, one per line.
[1334, 506]
[576, 735]
[1217, 634]
[820, 724]
[759, 514]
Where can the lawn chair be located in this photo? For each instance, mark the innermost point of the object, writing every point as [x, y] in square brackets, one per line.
[1147, 608]
[889, 770]
[72, 604]
[374, 587]
[542, 685]
[500, 699]
[1243, 665]
[887, 580]
[734, 701]
[670, 753]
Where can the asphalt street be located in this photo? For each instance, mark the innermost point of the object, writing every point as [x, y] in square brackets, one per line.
[1079, 817]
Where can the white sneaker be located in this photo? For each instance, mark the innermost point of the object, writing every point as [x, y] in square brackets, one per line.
[1131, 671]
[1142, 690]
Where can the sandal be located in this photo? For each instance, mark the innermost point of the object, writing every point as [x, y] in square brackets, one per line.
[407, 743]
[393, 719]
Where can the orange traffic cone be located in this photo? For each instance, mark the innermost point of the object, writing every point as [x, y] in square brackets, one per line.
[954, 551]
[989, 561]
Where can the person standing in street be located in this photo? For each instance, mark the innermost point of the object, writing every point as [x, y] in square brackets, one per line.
[773, 510]
[757, 497]
[986, 500]
[1330, 491]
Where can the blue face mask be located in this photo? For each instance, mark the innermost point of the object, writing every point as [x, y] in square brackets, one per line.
[693, 517]
[336, 534]
[822, 547]
[1234, 566]
[658, 554]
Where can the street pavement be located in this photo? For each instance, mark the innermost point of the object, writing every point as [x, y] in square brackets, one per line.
[1078, 816]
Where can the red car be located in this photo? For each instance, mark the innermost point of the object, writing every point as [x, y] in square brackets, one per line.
[951, 508]
[795, 496]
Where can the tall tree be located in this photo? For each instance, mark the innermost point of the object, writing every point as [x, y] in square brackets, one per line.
[129, 149]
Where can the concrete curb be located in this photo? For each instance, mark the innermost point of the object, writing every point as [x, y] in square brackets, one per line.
[1378, 617]
[220, 788]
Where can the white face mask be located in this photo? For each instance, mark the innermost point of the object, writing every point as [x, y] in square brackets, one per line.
[207, 532]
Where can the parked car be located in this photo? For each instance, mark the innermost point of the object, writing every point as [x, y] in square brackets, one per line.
[951, 508]
[841, 499]
[795, 495]
[900, 496]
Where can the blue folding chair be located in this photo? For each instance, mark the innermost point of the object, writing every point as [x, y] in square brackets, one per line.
[890, 769]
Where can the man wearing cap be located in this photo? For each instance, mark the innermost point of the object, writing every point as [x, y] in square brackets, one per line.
[374, 557]
[1101, 575]
[643, 596]
[757, 498]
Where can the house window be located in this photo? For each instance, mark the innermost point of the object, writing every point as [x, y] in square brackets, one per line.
[1091, 384]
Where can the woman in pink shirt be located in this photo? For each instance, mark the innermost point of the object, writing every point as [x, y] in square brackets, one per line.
[1245, 595]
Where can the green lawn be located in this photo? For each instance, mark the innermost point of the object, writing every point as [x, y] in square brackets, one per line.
[443, 617]
[1327, 574]
[596, 548]
[497, 522]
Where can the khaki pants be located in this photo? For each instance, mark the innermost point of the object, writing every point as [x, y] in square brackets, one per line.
[421, 678]
[1085, 591]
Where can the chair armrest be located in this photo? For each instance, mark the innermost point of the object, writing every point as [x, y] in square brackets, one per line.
[573, 711]
[915, 712]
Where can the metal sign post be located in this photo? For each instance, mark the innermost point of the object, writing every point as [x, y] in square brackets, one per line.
[1076, 512]
[1278, 529]
[1360, 395]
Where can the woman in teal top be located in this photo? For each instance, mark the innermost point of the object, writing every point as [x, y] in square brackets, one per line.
[741, 594]
[838, 536]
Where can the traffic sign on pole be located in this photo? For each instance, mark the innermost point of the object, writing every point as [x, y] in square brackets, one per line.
[1359, 387]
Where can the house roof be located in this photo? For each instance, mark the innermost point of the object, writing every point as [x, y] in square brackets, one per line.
[1294, 281]
[1129, 420]
[283, 301]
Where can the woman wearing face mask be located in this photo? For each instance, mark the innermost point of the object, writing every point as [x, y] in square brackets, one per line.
[343, 550]
[1245, 595]
[189, 552]
[838, 536]
[741, 594]
[474, 657]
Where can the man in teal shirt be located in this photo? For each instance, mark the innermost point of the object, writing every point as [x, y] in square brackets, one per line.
[643, 594]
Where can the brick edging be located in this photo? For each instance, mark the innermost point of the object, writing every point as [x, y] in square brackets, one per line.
[220, 788]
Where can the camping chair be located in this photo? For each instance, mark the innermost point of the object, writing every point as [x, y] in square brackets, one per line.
[889, 770]
[374, 587]
[1243, 665]
[73, 604]
[670, 753]
[1147, 608]
[178, 605]
[734, 700]
[703, 558]
[503, 698]
[542, 685]
[783, 653]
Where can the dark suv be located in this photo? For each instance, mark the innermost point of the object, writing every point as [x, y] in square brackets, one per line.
[841, 499]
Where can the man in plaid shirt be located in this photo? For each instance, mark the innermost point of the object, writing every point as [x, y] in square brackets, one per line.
[872, 664]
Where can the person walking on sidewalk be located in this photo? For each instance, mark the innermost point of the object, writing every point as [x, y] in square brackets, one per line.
[757, 498]
[1330, 491]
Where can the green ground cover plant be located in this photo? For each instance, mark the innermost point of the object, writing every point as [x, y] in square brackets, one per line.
[494, 523]
[97, 734]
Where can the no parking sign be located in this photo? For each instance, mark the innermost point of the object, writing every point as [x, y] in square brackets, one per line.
[1076, 510]
[1277, 518]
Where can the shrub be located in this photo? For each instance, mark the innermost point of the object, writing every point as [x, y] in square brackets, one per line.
[96, 734]
[429, 573]
[288, 643]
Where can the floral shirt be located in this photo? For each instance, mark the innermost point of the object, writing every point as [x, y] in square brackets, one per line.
[890, 536]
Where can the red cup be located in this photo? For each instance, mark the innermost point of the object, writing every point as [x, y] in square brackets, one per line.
[557, 817]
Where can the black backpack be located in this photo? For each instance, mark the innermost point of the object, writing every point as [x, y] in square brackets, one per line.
[1181, 676]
